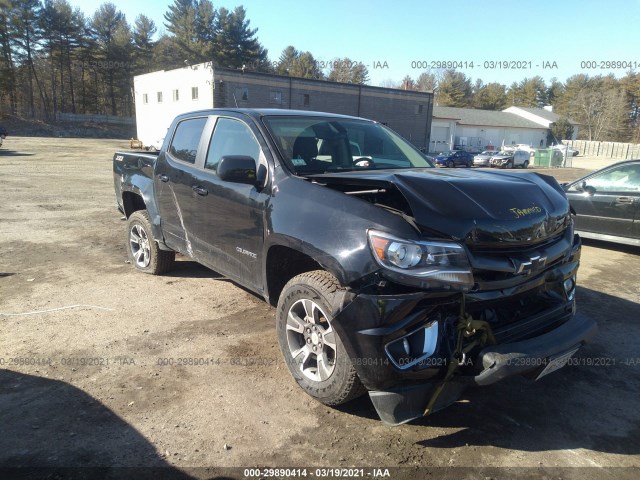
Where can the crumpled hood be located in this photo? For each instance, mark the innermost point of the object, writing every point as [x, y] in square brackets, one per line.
[479, 207]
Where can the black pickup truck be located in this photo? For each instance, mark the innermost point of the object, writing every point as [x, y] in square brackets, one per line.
[389, 276]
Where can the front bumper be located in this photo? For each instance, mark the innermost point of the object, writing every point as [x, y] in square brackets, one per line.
[407, 402]
[533, 319]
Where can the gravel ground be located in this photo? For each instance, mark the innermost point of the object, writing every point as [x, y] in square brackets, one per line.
[101, 366]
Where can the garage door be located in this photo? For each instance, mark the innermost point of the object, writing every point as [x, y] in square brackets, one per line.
[439, 139]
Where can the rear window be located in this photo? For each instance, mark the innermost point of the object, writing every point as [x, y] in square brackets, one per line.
[184, 145]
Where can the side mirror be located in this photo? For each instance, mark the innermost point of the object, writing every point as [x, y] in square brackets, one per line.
[237, 169]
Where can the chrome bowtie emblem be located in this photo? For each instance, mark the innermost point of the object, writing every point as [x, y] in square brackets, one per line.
[531, 265]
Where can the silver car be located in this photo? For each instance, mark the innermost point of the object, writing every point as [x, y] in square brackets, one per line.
[482, 159]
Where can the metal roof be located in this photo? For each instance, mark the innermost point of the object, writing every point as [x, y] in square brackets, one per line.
[490, 118]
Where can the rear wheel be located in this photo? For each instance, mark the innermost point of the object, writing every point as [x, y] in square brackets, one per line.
[525, 164]
[312, 349]
[142, 248]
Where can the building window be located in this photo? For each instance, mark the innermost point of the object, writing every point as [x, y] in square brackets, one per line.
[159, 97]
[194, 93]
[145, 98]
[419, 109]
[275, 96]
[242, 93]
[305, 99]
[176, 95]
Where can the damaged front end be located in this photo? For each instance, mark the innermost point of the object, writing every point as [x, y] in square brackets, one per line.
[416, 349]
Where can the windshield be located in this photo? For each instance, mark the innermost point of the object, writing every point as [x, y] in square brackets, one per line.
[314, 145]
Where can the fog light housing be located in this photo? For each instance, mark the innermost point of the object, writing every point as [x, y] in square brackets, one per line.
[570, 287]
[413, 348]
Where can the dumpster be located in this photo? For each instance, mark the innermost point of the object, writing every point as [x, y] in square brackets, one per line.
[548, 157]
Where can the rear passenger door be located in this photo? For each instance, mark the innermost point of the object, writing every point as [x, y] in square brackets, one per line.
[227, 219]
[173, 179]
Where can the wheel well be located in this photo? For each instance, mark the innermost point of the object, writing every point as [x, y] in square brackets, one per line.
[132, 202]
[284, 263]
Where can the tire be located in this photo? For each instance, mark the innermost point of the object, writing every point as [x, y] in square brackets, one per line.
[304, 314]
[142, 248]
[450, 164]
[525, 165]
[509, 164]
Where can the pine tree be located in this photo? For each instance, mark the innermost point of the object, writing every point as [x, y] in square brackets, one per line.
[454, 90]
[235, 42]
[346, 70]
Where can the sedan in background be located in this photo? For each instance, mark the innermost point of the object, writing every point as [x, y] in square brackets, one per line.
[454, 159]
[566, 150]
[606, 203]
[482, 159]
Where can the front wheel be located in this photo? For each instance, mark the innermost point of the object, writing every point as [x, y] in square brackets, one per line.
[142, 247]
[312, 349]
[509, 164]
[450, 164]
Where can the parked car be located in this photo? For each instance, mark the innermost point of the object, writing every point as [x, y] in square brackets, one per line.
[482, 159]
[454, 158]
[526, 148]
[3, 134]
[389, 277]
[566, 150]
[510, 159]
[607, 203]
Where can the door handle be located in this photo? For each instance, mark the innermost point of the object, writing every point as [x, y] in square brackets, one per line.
[199, 190]
[163, 178]
[624, 200]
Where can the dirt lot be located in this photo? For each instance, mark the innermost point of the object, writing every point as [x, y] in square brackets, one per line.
[104, 383]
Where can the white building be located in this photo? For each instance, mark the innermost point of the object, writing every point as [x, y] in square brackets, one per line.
[482, 129]
[161, 96]
[542, 116]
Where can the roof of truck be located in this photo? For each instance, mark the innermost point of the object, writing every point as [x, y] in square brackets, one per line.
[262, 112]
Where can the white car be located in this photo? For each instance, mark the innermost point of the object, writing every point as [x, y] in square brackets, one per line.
[566, 150]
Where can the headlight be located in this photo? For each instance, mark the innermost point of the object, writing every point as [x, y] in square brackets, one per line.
[421, 263]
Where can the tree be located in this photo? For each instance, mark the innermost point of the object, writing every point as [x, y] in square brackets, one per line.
[454, 90]
[492, 96]
[560, 130]
[427, 82]
[235, 42]
[7, 65]
[530, 92]
[26, 34]
[346, 70]
[631, 86]
[598, 104]
[113, 38]
[555, 91]
[408, 83]
[298, 64]
[143, 31]
[180, 20]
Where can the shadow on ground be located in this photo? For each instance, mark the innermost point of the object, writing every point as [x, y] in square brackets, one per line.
[51, 429]
[13, 153]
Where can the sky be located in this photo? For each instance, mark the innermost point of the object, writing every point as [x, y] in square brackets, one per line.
[494, 40]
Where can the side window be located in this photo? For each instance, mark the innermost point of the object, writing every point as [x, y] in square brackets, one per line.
[624, 179]
[184, 144]
[231, 137]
